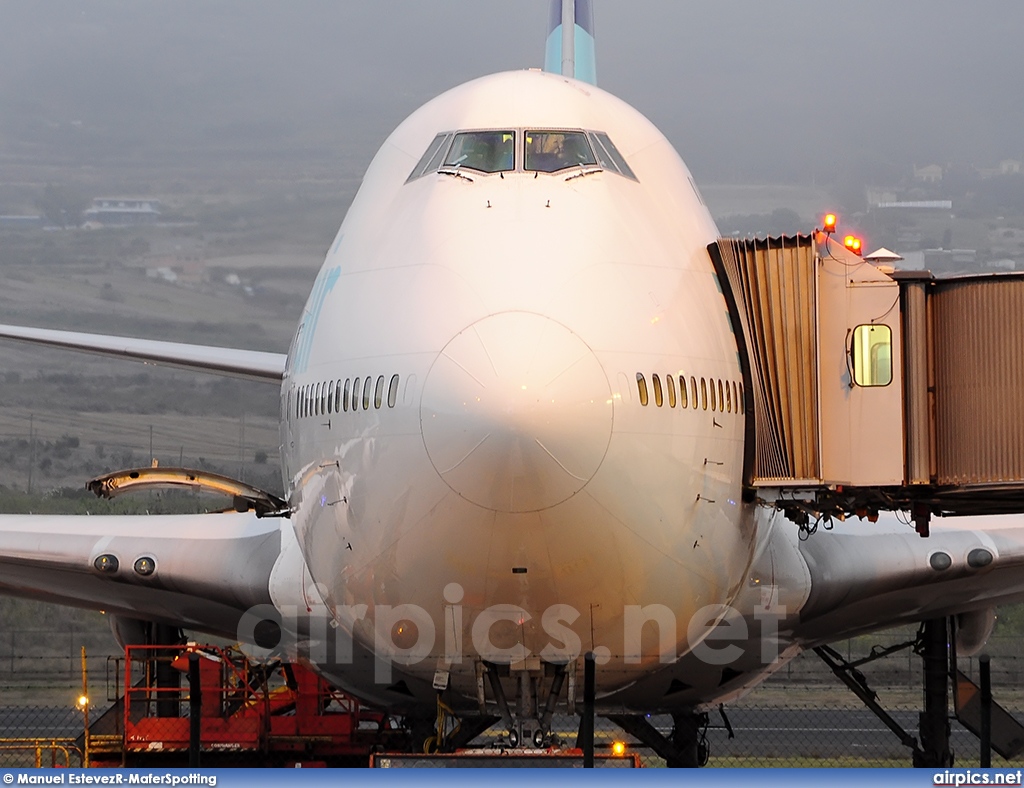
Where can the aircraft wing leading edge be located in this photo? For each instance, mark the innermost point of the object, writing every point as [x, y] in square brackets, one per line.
[867, 580]
[251, 364]
[209, 568]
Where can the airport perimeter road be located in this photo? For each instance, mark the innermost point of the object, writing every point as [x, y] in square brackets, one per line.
[823, 733]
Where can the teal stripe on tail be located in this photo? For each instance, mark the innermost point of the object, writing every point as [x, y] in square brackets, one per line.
[584, 57]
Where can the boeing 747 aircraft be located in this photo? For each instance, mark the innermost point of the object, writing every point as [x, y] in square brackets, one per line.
[476, 493]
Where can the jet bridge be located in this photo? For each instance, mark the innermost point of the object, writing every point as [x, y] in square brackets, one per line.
[871, 389]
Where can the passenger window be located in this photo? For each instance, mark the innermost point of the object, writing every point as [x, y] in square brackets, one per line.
[485, 151]
[344, 396]
[872, 355]
[728, 398]
[337, 396]
[323, 399]
[682, 392]
[658, 396]
[355, 394]
[316, 400]
[671, 385]
[551, 151]
[367, 392]
[721, 399]
[329, 396]
[641, 385]
[393, 391]
[712, 382]
[703, 393]
[378, 393]
[693, 391]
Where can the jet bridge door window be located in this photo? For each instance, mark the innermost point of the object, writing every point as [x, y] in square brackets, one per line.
[871, 355]
[484, 151]
[551, 151]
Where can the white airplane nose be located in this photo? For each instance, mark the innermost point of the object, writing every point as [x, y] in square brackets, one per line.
[516, 413]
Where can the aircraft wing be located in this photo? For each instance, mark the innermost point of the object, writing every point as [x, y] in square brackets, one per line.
[865, 577]
[209, 568]
[250, 364]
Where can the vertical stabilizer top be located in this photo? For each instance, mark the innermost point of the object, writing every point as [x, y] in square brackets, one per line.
[570, 45]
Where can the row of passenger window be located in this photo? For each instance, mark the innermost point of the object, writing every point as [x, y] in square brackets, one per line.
[721, 395]
[337, 396]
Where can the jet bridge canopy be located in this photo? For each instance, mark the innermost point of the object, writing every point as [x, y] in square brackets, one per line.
[872, 389]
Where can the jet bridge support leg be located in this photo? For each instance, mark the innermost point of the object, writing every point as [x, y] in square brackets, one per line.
[933, 723]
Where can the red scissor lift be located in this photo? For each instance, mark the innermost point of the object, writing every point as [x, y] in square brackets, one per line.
[250, 715]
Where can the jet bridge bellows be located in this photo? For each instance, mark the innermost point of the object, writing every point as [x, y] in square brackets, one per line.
[872, 389]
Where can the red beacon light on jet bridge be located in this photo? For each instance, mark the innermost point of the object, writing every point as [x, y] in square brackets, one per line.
[830, 223]
[853, 243]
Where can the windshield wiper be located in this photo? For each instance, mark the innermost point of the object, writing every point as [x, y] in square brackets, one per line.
[584, 172]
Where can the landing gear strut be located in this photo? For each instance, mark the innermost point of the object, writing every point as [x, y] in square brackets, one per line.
[933, 646]
[685, 748]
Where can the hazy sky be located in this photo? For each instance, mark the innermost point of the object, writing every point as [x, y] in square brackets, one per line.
[746, 90]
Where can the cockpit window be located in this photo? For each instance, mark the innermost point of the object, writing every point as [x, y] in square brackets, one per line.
[551, 151]
[547, 151]
[431, 159]
[485, 151]
[609, 155]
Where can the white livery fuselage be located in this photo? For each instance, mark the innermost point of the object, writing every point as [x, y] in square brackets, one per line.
[463, 426]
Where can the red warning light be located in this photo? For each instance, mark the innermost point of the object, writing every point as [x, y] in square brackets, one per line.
[830, 223]
[853, 243]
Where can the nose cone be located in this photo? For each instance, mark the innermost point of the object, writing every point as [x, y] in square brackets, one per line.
[516, 413]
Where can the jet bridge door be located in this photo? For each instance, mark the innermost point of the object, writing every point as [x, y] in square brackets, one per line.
[861, 368]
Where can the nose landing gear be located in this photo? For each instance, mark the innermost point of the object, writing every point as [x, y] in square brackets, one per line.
[530, 725]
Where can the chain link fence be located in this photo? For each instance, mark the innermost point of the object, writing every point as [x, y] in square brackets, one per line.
[801, 716]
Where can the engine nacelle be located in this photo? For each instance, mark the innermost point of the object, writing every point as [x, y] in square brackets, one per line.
[135, 632]
[129, 631]
[973, 630]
